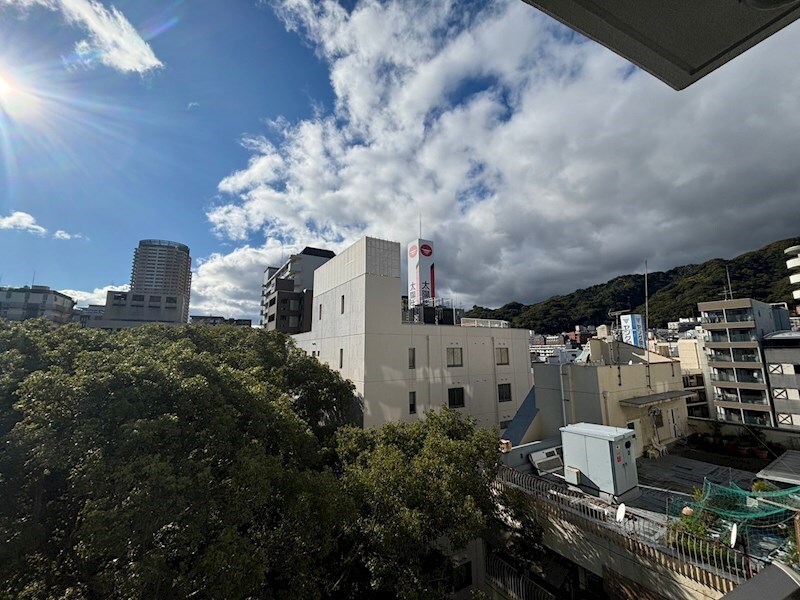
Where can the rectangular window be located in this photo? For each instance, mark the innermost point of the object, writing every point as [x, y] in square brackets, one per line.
[272, 301]
[270, 318]
[455, 397]
[454, 357]
[412, 358]
[505, 424]
[155, 298]
[501, 356]
[172, 300]
[320, 312]
[658, 420]
[412, 403]
[341, 357]
[504, 392]
[342, 307]
[138, 297]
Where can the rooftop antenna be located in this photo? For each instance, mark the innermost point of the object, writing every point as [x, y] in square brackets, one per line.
[420, 225]
[730, 289]
[33, 278]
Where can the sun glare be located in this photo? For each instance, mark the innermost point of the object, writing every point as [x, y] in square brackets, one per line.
[5, 87]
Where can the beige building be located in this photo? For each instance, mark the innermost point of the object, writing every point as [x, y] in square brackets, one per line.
[694, 366]
[402, 369]
[624, 392]
[38, 301]
[734, 330]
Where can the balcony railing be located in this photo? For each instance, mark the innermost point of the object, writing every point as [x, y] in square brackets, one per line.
[743, 337]
[723, 377]
[738, 318]
[742, 357]
[726, 397]
[745, 377]
[754, 420]
[707, 562]
[719, 357]
[761, 400]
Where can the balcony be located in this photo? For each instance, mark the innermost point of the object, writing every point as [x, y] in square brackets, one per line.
[754, 418]
[743, 336]
[713, 317]
[723, 376]
[743, 376]
[742, 356]
[722, 397]
[719, 356]
[749, 398]
[739, 316]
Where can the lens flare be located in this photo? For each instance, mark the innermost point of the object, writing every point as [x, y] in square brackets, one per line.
[5, 87]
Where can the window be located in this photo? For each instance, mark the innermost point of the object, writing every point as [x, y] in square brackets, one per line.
[412, 403]
[271, 302]
[270, 318]
[454, 357]
[341, 357]
[455, 397]
[294, 305]
[320, 312]
[504, 392]
[412, 358]
[172, 300]
[780, 394]
[501, 356]
[505, 424]
[155, 299]
[138, 297]
[342, 307]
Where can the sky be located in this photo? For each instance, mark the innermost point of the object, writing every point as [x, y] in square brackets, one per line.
[539, 162]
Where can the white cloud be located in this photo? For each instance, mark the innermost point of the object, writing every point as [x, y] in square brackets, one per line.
[63, 235]
[22, 221]
[96, 296]
[538, 161]
[111, 40]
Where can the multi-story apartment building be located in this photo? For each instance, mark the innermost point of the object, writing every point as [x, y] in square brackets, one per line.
[402, 369]
[215, 320]
[734, 329]
[782, 357]
[161, 279]
[286, 294]
[38, 301]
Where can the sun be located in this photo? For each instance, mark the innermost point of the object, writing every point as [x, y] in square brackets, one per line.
[5, 87]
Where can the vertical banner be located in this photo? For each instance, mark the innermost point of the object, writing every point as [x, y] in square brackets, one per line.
[421, 276]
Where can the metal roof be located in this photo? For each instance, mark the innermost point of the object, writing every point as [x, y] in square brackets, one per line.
[659, 398]
[784, 469]
[776, 582]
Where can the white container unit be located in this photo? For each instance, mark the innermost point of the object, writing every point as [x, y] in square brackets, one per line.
[601, 460]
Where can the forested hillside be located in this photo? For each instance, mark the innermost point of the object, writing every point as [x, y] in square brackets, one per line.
[761, 274]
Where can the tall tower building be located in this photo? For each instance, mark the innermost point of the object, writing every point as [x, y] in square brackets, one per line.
[161, 280]
[164, 268]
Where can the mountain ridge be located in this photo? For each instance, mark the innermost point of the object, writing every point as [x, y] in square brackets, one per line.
[759, 274]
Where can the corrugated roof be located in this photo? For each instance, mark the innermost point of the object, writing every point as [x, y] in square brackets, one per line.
[784, 469]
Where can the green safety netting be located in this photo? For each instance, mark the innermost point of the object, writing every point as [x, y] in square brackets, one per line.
[764, 518]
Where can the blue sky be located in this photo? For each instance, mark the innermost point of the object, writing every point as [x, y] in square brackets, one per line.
[539, 161]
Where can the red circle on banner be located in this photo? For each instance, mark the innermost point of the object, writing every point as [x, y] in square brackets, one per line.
[426, 250]
[412, 252]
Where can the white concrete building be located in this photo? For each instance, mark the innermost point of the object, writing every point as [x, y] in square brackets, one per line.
[402, 369]
[38, 301]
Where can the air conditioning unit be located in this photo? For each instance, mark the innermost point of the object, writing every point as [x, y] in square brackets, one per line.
[546, 461]
[572, 475]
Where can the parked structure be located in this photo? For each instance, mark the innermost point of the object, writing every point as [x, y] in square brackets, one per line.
[399, 369]
[287, 291]
[734, 329]
[38, 301]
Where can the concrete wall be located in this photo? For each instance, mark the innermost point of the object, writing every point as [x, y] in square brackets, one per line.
[374, 344]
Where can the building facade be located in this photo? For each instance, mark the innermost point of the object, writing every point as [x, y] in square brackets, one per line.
[161, 279]
[286, 294]
[614, 387]
[734, 330]
[401, 370]
[782, 357]
[38, 301]
[214, 320]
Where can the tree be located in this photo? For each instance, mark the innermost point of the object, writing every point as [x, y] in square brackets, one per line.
[136, 464]
[420, 489]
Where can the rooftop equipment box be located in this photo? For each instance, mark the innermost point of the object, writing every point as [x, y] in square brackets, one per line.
[601, 459]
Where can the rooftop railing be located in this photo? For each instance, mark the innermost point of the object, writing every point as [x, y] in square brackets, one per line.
[705, 561]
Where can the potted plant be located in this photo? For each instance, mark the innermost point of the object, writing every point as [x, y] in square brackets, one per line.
[744, 444]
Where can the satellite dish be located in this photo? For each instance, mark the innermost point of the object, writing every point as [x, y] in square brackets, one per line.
[620, 513]
[734, 531]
